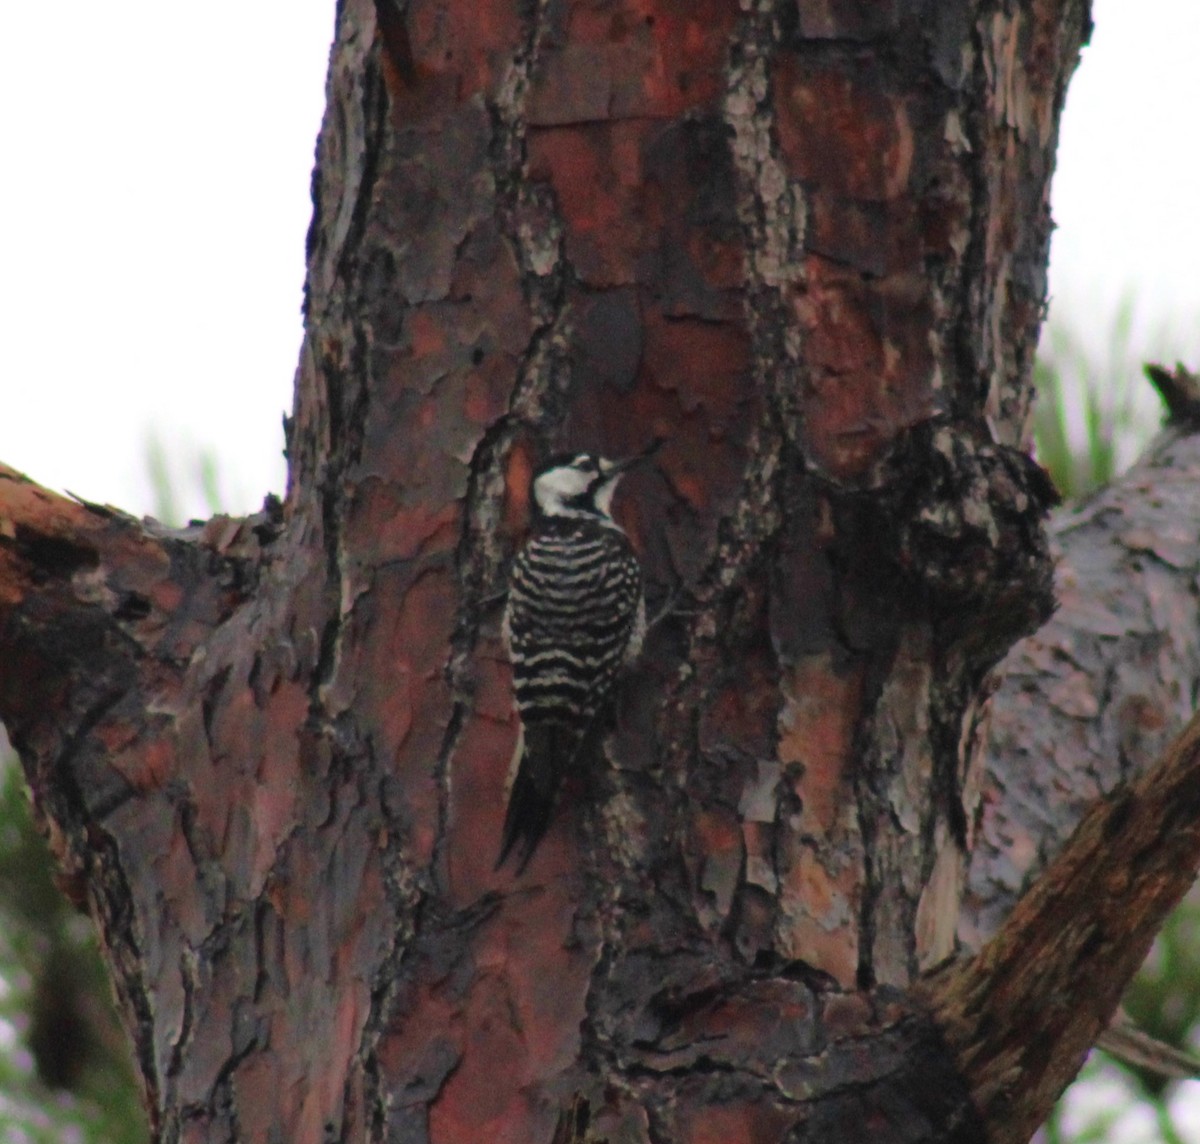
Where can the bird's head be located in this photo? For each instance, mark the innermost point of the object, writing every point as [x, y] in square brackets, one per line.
[582, 484]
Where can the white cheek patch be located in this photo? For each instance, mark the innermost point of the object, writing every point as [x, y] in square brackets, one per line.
[553, 489]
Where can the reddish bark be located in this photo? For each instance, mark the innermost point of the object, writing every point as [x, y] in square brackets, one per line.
[806, 245]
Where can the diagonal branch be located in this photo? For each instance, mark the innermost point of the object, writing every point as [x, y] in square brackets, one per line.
[89, 595]
[1071, 945]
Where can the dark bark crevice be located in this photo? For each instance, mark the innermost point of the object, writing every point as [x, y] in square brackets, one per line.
[757, 233]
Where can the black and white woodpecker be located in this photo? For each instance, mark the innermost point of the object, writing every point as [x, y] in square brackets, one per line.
[576, 616]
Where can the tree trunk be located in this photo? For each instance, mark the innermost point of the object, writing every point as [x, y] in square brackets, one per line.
[806, 245]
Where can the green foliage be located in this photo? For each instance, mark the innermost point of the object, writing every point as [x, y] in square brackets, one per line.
[188, 471]
[65, 1068]
[1094, 412]
[1164, 998]
[1093, 416]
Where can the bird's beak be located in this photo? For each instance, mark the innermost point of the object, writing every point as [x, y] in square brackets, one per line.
[611, 470]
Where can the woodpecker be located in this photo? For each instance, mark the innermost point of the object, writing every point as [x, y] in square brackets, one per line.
[576, 615]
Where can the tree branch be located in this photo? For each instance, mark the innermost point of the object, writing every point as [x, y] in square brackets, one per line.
[1092, 698]
[88, 595]
[102, 617]
[1070, 947]
[78, 583]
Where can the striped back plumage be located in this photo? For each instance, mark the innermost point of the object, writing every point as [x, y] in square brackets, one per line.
[575, 616]
[573, 603]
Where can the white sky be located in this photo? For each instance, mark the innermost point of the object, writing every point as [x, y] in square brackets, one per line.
[154, 201]
[155, 196]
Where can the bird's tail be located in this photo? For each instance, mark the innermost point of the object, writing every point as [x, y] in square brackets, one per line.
[547, 751]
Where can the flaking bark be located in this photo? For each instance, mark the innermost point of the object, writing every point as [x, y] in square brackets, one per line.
[1091, 919]
[1092, 699]
[807, 246]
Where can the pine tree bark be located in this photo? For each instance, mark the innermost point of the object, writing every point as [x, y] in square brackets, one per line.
[806, 244]
[1092, 699]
